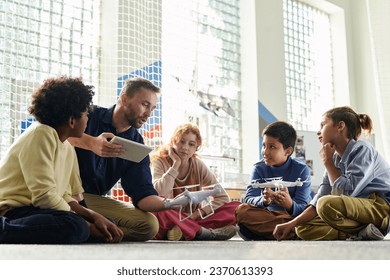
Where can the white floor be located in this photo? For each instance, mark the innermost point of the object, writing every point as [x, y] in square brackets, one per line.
[235, 249]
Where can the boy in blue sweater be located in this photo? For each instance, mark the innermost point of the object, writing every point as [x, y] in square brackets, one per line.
[264, 208]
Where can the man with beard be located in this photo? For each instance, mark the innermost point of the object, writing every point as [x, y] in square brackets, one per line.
[100, 168]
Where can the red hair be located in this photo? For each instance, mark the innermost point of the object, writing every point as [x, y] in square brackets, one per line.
[177, 135]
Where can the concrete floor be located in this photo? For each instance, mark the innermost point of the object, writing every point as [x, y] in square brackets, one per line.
[234, 249]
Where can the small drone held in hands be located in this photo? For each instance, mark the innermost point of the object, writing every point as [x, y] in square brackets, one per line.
[276, 182]
[196, 197]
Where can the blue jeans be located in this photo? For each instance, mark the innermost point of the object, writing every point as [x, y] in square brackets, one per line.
[32, 225]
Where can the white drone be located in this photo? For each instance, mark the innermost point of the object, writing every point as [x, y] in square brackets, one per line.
[190, 198]
[276, 182]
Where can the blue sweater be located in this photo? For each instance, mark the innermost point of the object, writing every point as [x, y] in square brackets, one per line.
[291, 170]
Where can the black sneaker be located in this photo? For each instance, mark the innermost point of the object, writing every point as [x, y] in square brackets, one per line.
[223, 233]
[242, 235]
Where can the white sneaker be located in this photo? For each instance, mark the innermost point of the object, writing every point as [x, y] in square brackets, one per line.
[370, 232]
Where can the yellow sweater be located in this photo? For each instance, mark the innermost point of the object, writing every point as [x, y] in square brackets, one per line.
[39, 170]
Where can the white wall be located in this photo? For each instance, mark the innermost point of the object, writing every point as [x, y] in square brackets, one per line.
[360, 65]
[262, 62]
[365, 87]
[249, 86]
[354, 72]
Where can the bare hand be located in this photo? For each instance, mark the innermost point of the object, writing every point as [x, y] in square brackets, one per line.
[196, 215]
[102, 227]
[326, 153]
[284, 231]
[103, 148]
[283, 198]
[175, 158]
[268, 196]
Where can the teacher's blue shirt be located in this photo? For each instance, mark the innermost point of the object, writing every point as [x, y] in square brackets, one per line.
[100, 174]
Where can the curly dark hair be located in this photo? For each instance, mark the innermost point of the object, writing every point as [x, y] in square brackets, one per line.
[58, 99]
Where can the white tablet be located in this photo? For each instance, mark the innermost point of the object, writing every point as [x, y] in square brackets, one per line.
[134, 151]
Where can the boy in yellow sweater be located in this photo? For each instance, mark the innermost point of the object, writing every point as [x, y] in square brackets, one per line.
[39, 174]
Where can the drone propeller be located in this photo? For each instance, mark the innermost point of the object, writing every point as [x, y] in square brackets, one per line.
[267, 180]
[210, 186]
[275, 179]
[186, 187]
[211, 102]
[304, 181]
[279, 183]
[176, 188]
[192, 198]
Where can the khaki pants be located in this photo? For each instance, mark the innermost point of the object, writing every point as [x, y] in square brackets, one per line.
[136, 224]
[340, 216]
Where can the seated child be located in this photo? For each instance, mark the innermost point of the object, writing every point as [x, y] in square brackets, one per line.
[353, 201]
[177, 165]
[265, 208]
[39, 174]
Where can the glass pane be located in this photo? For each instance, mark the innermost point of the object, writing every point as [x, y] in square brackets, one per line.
[309, 63]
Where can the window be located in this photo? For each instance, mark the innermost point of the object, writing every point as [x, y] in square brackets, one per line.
[202, 72]
[308, 64]
[40, 39]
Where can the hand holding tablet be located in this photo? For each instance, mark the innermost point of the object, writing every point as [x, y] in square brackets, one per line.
[134, 151]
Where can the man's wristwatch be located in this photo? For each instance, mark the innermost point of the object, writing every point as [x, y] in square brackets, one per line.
[167, 204]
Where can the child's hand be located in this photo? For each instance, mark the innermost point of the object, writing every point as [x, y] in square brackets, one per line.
[196, 215]
[326, 153]
[284, 231]
[268, 196]
[175, 158]
[283, 198]
[102, 227]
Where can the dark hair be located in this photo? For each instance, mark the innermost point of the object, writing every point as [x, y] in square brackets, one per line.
[58, 99]
[134, 84]
[353, 121]
[282, 131]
